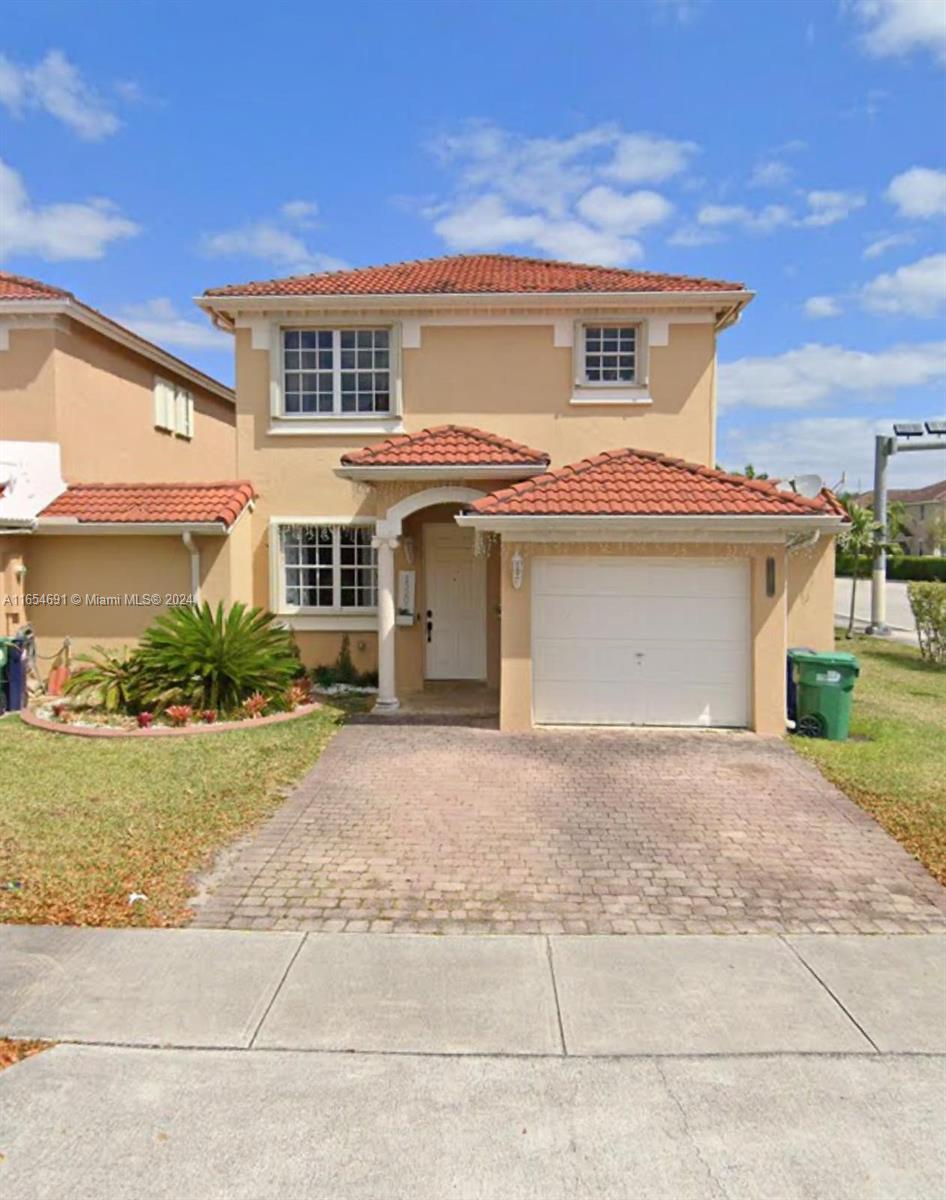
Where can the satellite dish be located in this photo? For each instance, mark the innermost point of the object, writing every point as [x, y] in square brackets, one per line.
[808, 485]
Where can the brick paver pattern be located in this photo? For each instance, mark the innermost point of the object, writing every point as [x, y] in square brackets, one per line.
[452, 830]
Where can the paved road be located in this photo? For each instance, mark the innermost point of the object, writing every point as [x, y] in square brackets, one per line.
[899, 615]
[276, 1066]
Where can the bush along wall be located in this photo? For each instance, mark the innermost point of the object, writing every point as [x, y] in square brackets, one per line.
[907, 566]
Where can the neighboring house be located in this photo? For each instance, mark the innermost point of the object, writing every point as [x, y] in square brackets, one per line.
[108, 444]
[439, 450]
[924, 516]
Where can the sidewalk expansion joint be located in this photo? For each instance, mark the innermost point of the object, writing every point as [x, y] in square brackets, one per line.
[843, 1007]
[272, 999]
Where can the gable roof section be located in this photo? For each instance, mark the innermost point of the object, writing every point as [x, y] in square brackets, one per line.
[151, 503]
[20, 295]
[472, 274]
[628, 483]
[929, 494]
[447, 445]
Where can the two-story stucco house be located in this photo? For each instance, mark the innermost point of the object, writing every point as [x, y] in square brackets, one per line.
[110, 453]
[500, 470]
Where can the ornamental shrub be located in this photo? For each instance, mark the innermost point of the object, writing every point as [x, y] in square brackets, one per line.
[928, 601]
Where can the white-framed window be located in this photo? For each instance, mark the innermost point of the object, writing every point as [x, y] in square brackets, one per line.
[324, 567]
[173, 408]
[337, 372]
[610, 354]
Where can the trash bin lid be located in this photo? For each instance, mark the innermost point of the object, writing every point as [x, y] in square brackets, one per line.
[827, 658]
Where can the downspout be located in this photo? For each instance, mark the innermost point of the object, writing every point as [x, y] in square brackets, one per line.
[188, 539]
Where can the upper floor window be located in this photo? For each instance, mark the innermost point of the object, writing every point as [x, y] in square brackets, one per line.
[173, 408]
[336, 372]
[609, 354]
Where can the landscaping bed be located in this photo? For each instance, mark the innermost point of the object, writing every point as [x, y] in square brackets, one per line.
[14, 1050]
[893, 764]
[87, 824]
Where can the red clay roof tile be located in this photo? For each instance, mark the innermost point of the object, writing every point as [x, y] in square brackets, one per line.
[183, 503]
[21, 287]
[643, 483]
[466, 274]
[447, 445]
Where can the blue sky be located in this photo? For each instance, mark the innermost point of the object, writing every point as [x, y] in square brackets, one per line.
[150, 150]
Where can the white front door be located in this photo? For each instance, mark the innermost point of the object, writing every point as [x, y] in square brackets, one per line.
[454, 620]
[635, 641]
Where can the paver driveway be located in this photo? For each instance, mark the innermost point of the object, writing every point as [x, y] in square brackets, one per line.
[445, 829]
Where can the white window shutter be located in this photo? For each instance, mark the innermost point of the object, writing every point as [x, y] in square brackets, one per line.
[163, 404]
[183, 413]
[190, 416]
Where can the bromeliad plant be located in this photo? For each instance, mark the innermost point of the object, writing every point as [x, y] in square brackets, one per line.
[215, 659]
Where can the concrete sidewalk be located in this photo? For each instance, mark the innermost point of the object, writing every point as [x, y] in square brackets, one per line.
[510, 995]
[351, 1067]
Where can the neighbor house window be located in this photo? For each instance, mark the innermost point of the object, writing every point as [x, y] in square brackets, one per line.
[610, 354]
[328, 567]
[336, 372]
[173, 408]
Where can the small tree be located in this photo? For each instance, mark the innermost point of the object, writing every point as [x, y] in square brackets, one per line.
[937, 531]
[858, 539]
[928, 602]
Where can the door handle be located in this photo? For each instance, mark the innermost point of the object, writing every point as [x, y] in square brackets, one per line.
[430, 624]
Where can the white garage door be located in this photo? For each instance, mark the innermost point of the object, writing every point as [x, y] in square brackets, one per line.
[636, 641]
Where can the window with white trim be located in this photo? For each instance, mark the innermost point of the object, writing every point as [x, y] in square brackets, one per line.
[173, 409]
[336, 372]
[609, 355]
[327, 568]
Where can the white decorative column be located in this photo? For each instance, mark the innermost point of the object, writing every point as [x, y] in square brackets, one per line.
[387, 696]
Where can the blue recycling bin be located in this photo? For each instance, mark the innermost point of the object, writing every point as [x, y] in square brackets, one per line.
[791, 692]
[15, 681]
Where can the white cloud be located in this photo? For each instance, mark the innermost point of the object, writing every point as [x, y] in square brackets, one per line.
[919, 192]
[918, 289]
[646, 158]
[891, 241]
[56, 231]
[898, 27]
[55, 86]
[829, 207]
[818, 307]
[763, 220]
[274, 240]
[159, 321]
[770, 174]
[556, 196]
[623, 212]
[684, 12]
[839, 449]
[694, 235]
[814, 373]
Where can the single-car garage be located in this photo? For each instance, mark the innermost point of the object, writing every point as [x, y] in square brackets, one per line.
[640, 641]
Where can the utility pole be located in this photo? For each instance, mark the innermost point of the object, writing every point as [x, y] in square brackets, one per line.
[884, 447]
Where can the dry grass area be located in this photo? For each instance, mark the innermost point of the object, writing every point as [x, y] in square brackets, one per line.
[14, 1050]
[86, 823]
[894, 764]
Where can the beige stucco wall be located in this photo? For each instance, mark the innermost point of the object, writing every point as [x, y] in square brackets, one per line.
[811, 596]
[767, 619]
[95, 397]
[12, 584]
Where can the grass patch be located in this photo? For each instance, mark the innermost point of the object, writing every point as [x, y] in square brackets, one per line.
[894, 764]
[86, 822]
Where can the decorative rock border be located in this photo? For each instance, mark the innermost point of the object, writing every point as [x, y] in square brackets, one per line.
[104, 731]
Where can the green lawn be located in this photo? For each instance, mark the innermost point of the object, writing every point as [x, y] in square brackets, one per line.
[86, 822]
[895, 763]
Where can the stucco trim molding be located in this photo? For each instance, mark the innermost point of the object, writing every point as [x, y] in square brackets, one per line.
[389, 526]
[642, 529]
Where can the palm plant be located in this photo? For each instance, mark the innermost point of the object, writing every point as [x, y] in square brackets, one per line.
[859, 540]
[111, 677]
[212, 659]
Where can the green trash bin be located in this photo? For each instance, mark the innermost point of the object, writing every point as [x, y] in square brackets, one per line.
[824, 684]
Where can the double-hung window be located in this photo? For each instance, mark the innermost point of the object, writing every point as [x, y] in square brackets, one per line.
[336, 372]
[610, 355]
[326, 568]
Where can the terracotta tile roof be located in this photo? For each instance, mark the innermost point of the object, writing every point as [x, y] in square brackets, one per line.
[21, 287]
[119, 503]
[643, 483]
[447, 445]
[931, 493]
[474, 273]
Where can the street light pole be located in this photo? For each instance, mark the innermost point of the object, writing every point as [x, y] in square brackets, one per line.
[883, 447]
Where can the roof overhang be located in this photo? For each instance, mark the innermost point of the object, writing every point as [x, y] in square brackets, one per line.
[714, 528]
[76, 311]
[71, 526]
[727, 304]
[366, 474]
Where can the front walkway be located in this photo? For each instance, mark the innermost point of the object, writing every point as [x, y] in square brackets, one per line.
[445, 829]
